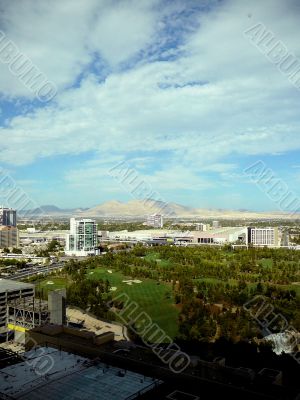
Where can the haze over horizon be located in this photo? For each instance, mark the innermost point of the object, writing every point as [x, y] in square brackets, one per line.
[174, 88]
[137, 207]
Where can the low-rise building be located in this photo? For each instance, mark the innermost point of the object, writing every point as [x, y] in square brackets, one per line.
[263, 236]
[202, 227]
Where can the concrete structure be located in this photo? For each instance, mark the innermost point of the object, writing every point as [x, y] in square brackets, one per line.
[155, 220]
[9, 236]
[11, 291]
[216, 225]
[20, 311]
[8, 216]
[57, 306]
[263, 236]
[82, 239]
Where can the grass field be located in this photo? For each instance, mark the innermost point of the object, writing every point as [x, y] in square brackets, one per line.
[153, 298]
[155, 257]
[45, 286]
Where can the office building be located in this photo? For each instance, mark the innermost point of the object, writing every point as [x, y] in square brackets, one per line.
[82, 239]
[9, 237]
[8, 216]
[155, 220]
[263, 236]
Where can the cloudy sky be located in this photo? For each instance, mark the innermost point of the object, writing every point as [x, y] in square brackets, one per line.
[174, 88]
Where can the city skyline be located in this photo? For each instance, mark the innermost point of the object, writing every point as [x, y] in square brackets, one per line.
[177, 90]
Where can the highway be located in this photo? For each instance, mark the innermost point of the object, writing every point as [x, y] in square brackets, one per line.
[32, 271]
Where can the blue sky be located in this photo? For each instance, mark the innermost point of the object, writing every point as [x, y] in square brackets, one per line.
[174, 88]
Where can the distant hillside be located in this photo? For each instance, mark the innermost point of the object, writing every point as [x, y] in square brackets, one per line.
[137, 208]
[140, 208]
[51, 210]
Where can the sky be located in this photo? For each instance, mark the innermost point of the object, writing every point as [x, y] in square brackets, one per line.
[178, 90]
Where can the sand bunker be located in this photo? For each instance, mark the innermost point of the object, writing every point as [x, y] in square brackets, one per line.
[50, 283]
[109, 271]
[113, 288]
[131, 281]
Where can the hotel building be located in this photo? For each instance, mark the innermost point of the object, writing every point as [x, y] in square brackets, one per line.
[82, 239]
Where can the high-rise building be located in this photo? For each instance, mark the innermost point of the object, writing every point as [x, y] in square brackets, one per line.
[8, 216]
[82, 239]
[155, 220]
[263, 236]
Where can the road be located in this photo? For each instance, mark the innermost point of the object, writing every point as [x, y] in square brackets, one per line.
[28, 272]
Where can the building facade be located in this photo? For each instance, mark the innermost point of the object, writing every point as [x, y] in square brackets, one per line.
[263, 236]
[202, 227]
[9, 237]
[8, 217]
[82, 239]
[155, 220]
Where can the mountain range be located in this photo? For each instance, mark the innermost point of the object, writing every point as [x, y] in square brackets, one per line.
[140, 208]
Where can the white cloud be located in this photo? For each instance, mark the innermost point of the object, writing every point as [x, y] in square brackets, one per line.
[123, 30]
[220, 97]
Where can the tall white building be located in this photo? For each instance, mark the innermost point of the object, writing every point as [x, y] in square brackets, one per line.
[82, 239]
[263, 236]
[155, 220]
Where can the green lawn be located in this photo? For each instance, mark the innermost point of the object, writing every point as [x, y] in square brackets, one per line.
[153, 298]
[209, 280]
[156, 257]
[151, 256]
[46, 286]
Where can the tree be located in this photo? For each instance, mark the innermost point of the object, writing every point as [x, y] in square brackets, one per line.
[16, 251]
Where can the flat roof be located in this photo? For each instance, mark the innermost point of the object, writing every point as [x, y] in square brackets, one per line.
[8, 285]
[49, 374]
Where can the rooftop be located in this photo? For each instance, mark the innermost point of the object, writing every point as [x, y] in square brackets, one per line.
[49, 374]
[8, 285]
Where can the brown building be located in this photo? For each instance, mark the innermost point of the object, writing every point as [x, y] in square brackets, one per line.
[9, 236]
